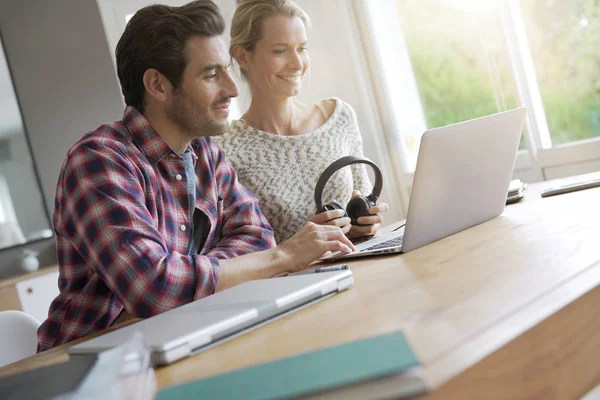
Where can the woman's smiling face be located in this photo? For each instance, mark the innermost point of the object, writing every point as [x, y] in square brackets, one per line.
[280, 58]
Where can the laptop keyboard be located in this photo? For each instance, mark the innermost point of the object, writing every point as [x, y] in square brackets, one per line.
[397, 241]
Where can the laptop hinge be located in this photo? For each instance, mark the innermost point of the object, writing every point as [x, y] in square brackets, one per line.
[345, 283]
[171, 355]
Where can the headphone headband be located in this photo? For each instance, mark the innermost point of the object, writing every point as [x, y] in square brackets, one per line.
[339, 164]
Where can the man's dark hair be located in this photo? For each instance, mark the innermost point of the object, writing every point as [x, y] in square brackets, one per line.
[156, 37]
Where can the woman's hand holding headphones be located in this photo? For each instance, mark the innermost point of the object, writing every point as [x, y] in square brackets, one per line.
[331, 217]
[368, 225]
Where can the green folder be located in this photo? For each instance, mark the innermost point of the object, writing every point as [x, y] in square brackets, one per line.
[325, 370]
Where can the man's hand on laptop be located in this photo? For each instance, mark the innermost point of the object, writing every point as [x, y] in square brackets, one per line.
[295, 254]
[368, 225]
[313, 241]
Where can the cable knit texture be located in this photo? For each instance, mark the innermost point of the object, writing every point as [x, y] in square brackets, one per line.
[282, 171]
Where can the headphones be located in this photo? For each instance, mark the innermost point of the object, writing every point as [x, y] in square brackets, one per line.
[358, 206]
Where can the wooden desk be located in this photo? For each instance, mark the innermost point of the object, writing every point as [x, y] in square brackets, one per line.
[507, 309]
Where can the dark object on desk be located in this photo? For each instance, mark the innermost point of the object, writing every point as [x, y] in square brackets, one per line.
[318, 270]
[47, 382]
[381, 367]
[201, 229]
[572, 187]
[358, 206]
[516, 191]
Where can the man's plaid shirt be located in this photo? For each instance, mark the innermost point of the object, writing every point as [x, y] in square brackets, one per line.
[122, 220]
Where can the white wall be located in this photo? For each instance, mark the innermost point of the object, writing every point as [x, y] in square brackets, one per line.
[64, 80]
[63, 75]
[23, 186]
[16, 161]
[10, 117]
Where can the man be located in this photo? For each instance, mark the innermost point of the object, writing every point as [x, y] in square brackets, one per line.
[149, 215]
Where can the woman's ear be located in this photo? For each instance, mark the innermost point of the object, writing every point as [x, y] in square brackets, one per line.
[157, 85]
[241, 55]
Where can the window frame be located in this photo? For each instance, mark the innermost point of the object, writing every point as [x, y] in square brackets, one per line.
[540, 161]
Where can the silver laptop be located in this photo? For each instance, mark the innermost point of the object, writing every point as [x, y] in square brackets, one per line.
[204, 323]
[461, 180]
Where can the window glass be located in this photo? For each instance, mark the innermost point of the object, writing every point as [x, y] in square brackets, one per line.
[459, 57]
[564, 40]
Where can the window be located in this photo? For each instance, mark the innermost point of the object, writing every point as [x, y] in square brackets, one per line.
[459, 57]
[564, 37]
[469, 58]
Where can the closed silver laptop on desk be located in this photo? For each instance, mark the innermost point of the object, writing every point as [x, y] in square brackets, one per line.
[461, 180]
[204, 323]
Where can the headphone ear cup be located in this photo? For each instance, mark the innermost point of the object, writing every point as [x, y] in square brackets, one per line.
[358, 207]
[334, 205]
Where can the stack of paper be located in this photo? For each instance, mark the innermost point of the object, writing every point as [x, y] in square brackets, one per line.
[516, 191]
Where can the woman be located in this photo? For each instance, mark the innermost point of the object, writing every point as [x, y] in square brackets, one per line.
[280, 146]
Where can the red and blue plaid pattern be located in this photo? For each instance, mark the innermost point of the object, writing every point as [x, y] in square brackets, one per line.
[123, 225]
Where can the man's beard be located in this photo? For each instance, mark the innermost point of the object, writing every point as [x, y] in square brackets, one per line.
[194, 121]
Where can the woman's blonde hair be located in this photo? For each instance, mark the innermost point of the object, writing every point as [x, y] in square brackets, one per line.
[249, 17]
